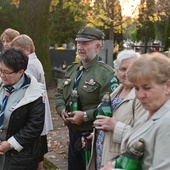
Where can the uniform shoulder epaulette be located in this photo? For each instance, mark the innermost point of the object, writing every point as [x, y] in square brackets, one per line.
[75, 62]
[72, 65]
[105, 66]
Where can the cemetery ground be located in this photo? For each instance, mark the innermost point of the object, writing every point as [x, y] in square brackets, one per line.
[56, 158]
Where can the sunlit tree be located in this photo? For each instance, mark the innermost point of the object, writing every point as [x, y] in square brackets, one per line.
[106, 14]
[67, 16]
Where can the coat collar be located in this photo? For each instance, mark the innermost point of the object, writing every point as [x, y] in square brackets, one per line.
[161, 111]
[130, 96]
[33, 92]
[144, 124]
[32, 55]
[90, 64]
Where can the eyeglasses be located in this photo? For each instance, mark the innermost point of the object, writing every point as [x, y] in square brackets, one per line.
[5, 72]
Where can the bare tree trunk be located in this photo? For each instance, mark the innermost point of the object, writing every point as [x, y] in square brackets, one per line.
[111, 32]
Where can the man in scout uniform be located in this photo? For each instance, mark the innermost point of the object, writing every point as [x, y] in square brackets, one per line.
[89, 79]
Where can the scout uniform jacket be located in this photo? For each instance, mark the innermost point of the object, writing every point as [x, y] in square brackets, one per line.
[97, 79]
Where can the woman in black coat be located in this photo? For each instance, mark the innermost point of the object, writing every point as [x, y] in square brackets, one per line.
[21, 115]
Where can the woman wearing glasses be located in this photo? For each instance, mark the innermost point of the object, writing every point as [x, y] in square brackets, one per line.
[22, 112]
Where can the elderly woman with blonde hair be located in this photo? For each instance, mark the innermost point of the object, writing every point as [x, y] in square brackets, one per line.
[126, 110]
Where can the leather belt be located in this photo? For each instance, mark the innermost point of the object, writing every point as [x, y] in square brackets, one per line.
[3, 130]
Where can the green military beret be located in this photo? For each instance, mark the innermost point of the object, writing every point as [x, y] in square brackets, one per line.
[89, 34]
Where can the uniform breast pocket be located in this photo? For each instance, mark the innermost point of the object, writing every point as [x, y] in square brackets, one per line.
[90, 92]
[92, 88]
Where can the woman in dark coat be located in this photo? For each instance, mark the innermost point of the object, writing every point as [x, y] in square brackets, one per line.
[22, 112]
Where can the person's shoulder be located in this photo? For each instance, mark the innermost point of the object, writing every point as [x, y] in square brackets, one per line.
[73, 65]
[105, 66]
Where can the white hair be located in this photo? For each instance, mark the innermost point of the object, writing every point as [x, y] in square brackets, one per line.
[125, 54]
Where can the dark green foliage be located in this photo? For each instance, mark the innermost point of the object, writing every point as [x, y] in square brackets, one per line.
[34, 16]
[146, 33]
[63, 23]
[163, 11]
[63, 28]
[133, 35]
[167, 35]
[8, 15]
[145, 26]
[160, 27]
[60, 25]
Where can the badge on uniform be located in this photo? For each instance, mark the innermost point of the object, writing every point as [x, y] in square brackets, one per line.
[81, 68]
[114, 83]
[90, 82]
[67, 81]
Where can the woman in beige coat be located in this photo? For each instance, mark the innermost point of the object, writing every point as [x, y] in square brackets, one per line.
[126, 110]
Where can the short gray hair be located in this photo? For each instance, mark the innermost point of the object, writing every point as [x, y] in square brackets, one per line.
[125, 54]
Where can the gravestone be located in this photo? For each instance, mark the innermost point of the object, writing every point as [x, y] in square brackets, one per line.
[106, 52]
